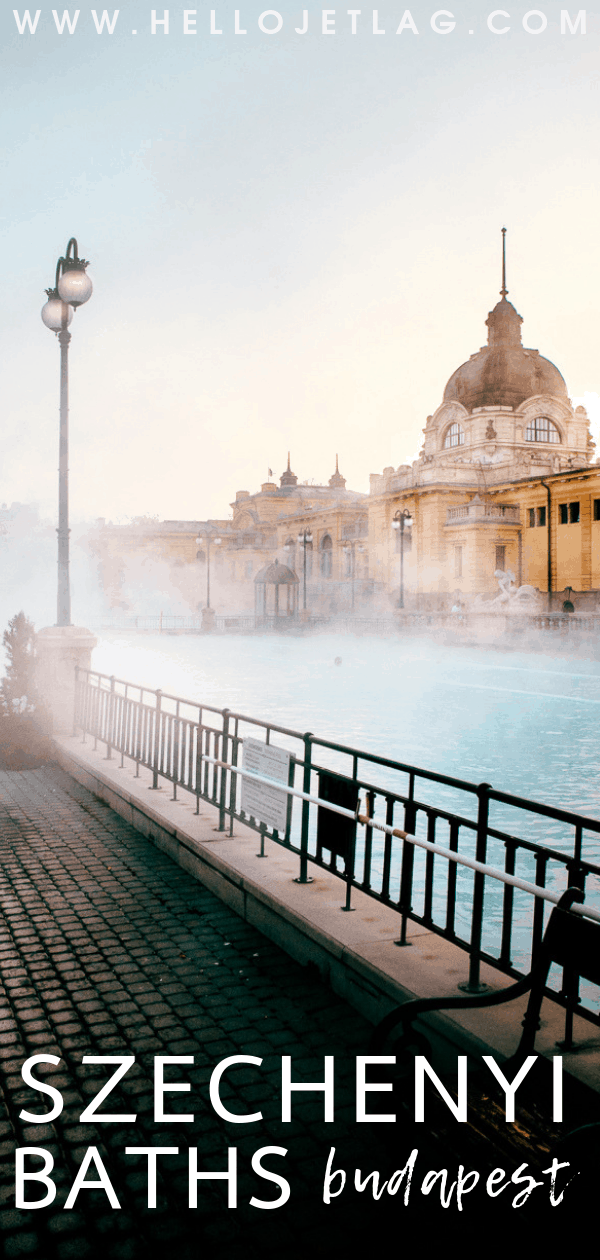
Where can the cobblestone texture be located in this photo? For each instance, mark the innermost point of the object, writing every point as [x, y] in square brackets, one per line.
[107, 948]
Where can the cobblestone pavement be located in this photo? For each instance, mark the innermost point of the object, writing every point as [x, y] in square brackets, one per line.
[108, 948]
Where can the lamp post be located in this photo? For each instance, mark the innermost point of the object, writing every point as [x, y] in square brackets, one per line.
[304, 537]
[72, 287]
[208, 538]
[401, 519]
[350, 550]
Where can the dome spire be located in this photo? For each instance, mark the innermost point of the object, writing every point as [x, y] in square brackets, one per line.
[504, 289]
[337, 482]
[288, 478]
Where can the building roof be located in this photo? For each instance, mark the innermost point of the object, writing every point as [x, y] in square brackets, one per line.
[503, 373]
[277, 575]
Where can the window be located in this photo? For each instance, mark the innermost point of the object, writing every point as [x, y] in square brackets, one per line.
[501, 557]
[568, 513]
[458, 561]
[537, 516]
[248, 568]
[597, 509]
[326, 546]
[454, 436]
[542, 430]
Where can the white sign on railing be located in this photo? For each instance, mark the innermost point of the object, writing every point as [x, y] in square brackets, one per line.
[262, 802]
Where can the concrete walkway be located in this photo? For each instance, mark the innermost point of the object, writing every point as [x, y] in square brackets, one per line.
[107, 947]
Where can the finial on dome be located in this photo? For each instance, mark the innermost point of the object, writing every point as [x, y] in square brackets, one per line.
[504, 289]
[288, 478]
[337, 482]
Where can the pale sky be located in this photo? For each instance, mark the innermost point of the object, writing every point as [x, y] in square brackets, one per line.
[294, 239]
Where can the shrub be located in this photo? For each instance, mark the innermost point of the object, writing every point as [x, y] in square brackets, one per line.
[17, 690]
[22, 745]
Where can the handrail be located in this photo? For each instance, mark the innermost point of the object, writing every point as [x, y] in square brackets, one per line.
[196, 747]
[536, 890]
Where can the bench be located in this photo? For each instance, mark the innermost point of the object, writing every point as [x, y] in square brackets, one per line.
[571, 941]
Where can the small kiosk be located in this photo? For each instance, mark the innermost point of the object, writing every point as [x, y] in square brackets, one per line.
[276, 592]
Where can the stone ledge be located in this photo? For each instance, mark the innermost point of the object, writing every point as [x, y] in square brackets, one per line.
[357, 952]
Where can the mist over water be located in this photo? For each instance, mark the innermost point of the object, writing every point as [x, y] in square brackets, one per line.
[525, 723]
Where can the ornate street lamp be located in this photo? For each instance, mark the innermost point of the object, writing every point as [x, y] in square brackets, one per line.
[401, 519]
[209, 536]
[72, 287]
[304, 537]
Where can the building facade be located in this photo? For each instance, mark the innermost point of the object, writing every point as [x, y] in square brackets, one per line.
[320, 532]
[504, 484]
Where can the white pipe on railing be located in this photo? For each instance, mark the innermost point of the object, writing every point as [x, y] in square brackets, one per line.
[535, 890]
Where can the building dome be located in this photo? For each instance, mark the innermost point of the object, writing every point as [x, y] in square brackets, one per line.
[276, 574]
[503, 373]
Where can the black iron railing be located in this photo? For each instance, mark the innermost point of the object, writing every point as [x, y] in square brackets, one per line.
[199, 748]
[402, 620]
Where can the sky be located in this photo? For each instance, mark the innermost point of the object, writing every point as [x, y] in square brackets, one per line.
[294, 239]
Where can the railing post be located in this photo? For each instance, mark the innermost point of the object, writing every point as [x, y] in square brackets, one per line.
[235, 743]
[176, 728]
[76, 704]
[408, 862]
[223, 786]
[474, 984]
[570, 979]
[304, 877]
[110, 718]
[156, 741]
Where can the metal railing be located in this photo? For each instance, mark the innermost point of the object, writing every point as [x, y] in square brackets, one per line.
[247, 623]
[441, 851]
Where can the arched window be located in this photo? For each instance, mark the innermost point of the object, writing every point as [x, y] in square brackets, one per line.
[542, 430]
[201, 557]
[454, 436]
[326, 552]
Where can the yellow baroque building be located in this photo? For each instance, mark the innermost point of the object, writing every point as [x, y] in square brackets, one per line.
[504, 493]
[150, 562]
[504, 483]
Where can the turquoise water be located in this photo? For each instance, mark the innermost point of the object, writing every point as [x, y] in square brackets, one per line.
[523, 722]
